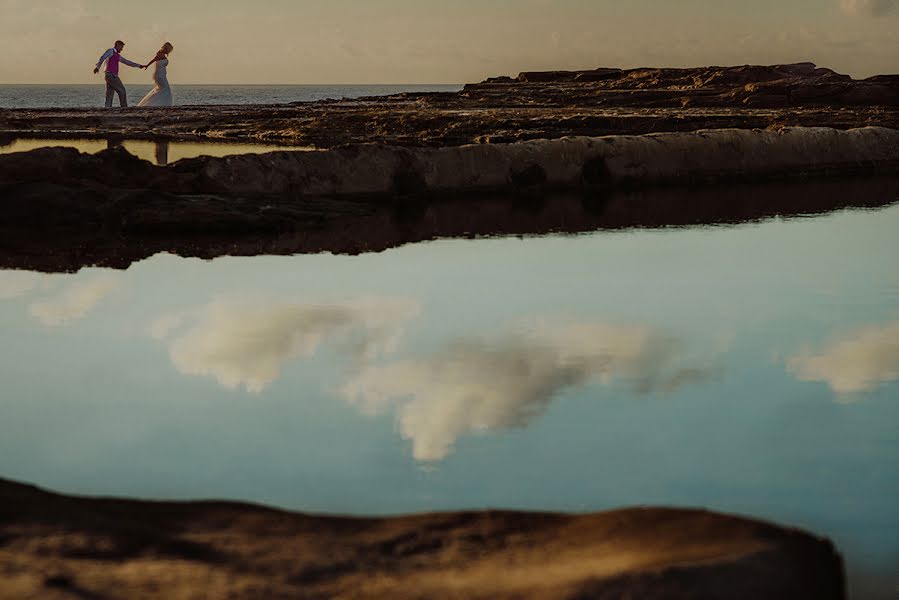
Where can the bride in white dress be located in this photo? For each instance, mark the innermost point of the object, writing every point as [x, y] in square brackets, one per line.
[161, 95]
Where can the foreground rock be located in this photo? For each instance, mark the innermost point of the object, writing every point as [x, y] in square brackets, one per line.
[54, 546]
[532, 106]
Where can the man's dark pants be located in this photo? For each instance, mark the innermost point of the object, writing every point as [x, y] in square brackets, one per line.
[114, 86]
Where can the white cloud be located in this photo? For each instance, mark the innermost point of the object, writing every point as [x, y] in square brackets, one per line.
[870, 8]
[247, 343]
[17, 283]
[474, 386]
[858, 362]
[74, 302]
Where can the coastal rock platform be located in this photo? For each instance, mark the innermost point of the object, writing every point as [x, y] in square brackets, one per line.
[544, 105]
[61, 547]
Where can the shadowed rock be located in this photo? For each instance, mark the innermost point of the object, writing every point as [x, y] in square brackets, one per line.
[378, 170]
[49, 227]
[105, 548]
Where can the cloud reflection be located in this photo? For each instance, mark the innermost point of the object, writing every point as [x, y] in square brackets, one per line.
[474, 386]
[858, 362]
[466, 386]
[245, 344]
[74, 302]
[17, 283]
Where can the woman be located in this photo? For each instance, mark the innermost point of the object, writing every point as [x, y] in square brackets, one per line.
[161, 95]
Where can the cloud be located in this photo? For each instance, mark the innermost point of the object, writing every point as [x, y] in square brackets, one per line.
[246, 344]
[162, 328]
[477, 385]
[858, 362]
[74, 302]
[869, 8]
[17, 283]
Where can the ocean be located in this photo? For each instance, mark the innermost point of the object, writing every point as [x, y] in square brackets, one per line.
[93, 95]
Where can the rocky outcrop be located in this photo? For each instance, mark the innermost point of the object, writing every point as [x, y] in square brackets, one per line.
[57, 546]
[548, 105]
[564, 164]
[776, 86]
[387, 171]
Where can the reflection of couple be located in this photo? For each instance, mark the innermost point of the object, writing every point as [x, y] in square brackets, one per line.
[161, 95]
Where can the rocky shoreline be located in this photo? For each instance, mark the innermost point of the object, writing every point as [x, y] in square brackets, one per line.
[55, 546]
[540, 144]
[548, 105]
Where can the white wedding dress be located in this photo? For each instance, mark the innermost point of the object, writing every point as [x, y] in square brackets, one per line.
[161, 95]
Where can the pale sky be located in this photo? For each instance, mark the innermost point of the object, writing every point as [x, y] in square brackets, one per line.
[431, 41]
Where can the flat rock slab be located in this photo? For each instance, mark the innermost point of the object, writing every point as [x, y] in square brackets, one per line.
[54, 546]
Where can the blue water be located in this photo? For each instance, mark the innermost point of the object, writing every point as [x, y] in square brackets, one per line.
[86, 96]
[751, 369]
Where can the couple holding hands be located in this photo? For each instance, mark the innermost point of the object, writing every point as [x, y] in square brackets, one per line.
[161, 95]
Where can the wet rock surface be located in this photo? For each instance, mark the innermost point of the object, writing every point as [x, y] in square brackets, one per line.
[546, 105]
[54, 546]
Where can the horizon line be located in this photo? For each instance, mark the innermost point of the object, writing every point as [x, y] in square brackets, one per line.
[256, 84]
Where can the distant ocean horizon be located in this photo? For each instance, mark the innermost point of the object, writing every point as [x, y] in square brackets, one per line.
[93, 95]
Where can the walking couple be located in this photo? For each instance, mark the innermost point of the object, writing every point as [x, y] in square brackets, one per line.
[160, 95]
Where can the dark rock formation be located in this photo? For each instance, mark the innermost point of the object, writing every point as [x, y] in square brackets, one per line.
[53, 227]
[54, 546]
[777, 86]
[373, 170]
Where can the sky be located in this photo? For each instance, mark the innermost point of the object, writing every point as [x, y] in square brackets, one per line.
[431, 41]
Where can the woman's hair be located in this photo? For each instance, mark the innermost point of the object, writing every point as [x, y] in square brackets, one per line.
[167, 47]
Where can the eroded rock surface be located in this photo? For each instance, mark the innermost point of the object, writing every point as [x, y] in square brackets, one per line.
[56, 547]
[532, 106]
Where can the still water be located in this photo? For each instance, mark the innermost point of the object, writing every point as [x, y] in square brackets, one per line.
[751, 369]
[160, 152]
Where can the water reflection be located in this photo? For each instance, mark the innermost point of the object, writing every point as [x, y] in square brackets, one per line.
[859, 361]
[17, 283]
[74, 302]
[468, 385]
[484, 385]
[245, 344]
[517, 365]
[160, 152]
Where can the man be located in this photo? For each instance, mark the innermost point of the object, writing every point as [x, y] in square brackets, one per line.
[112, 58]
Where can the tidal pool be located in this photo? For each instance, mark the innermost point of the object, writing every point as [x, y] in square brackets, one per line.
[751, 369]
[160, 152]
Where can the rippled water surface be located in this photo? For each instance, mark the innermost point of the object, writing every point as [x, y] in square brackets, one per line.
[750, 369]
